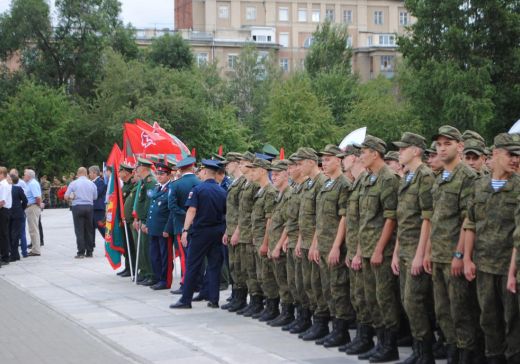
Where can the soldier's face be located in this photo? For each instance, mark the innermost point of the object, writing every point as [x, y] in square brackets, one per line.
[294, 171]
[505, 161]
[279, 178]
[162, 177]
[330, 164]
[243, 167]
[448, 149]
[474, 161]
[231, 167]
[434, 162]
[395, 166]
[368, 156]
[406, 155]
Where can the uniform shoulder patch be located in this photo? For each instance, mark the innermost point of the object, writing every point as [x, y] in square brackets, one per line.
[190, 195]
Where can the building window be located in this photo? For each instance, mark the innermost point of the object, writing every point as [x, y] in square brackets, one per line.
[202, 59]
[349, 41]
[284, 39]
[262, 38]
[251, 13]
[283, 14]
[387, 40]
[403, 18]
[302, 15]
[347, 16]
[387, 63]
[284, 64]
[232, 60]
[370, 41]
[308, 42]
[223, 12]
[329, 15]
[378, 17]
[316, 15]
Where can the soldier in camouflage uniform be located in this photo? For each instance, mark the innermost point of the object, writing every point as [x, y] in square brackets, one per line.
[126, 172]
[392, 160]
[143, 198]
[433, 160]
[277, 238]
[487, 251]
[307, 160]
[414, 211]
[294, 262]
[475, 152]
[243, 238]
[239, 289]
[355, 173]
[377, 214]
[328, 248]
[264, 201]
[456, 309]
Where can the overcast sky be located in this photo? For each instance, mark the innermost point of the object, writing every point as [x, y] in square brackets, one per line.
[141, 13]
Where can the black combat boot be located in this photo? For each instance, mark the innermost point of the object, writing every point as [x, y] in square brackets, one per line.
[425, 348]
[323, 339]
[364, 343]
[452, 354]
[256, 307]
[319, 329]
[380, 334]
[412, 359]
[273, 310]
[340, 335]
[439, 347]
[240, 301]
[285, 317]
[304, 324]
[343, 348]
[389, 350]
[230, 301]
[297, 317]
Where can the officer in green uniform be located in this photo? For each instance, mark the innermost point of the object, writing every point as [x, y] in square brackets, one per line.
[264, 201]
[239, 289]
[355, 172]
[143, 198]
[243, 238]
[377, 222]
[414, 211]
[456, 309]
[277, 239]
[488, 244]
[307, 160]
[294, 262]
[126, 171]
[328, 249]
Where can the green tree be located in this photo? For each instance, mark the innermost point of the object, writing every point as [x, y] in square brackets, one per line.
[295, 117]
[329, 50]
[69, 53]
[462, 40]
[379, 108]
[38, 129]
[171, 51]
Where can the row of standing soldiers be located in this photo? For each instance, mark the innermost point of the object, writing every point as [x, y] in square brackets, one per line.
[337, 236]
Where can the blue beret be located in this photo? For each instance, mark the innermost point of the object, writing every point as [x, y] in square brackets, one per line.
[186, 162]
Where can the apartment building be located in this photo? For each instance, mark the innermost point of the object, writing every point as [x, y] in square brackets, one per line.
[217, 29]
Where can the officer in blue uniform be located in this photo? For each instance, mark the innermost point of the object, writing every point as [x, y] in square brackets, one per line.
[178, 194]
[159, 230]
[205, 224]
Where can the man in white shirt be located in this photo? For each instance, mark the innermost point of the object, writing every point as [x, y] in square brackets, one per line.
[6, 201]
[33, 210]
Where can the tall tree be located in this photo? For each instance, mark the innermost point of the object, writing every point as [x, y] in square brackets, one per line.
[464, 39]
[171, 51]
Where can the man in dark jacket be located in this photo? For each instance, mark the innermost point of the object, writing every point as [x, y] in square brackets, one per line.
[94, 173]
[17, 219]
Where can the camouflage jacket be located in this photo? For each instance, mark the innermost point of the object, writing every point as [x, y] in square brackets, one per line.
[293, 210]
[232, 204]
[245, 208]
[415, 203]
[352, 216]
[262, 210]
[307, 213]
[492, 216]
[278, 217]
[450, 203]
[331, 206]
[377, 202]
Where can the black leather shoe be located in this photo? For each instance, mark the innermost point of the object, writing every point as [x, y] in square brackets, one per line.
[79, 256]
[180, 305]
[13, 259]
[176, 291]
[122, 272]
[159, 286]
[150, 282]
[198, 298]
[213, 304]
[125, 274]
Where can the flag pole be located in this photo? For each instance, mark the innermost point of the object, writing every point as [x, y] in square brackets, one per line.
[137, 252]
[128, 250]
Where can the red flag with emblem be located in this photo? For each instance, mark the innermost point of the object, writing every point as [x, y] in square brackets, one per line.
[141, 141]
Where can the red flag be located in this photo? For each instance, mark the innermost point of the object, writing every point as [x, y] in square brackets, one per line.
[282, 153]
[141, 141]
[194, 153]
[157, 129]
[220, 150]
[115, 155]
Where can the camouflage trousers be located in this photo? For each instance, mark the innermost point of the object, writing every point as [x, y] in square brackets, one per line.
[336, 288]
[267, 277]
[357, 297]
[290, 269]
[306, 269]
[299, 288]
[456, 307]
[416, 294]
[239, 280]
[248, 262]
[322, 306]
[280, 273]
[381, 293]
[499, 316]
